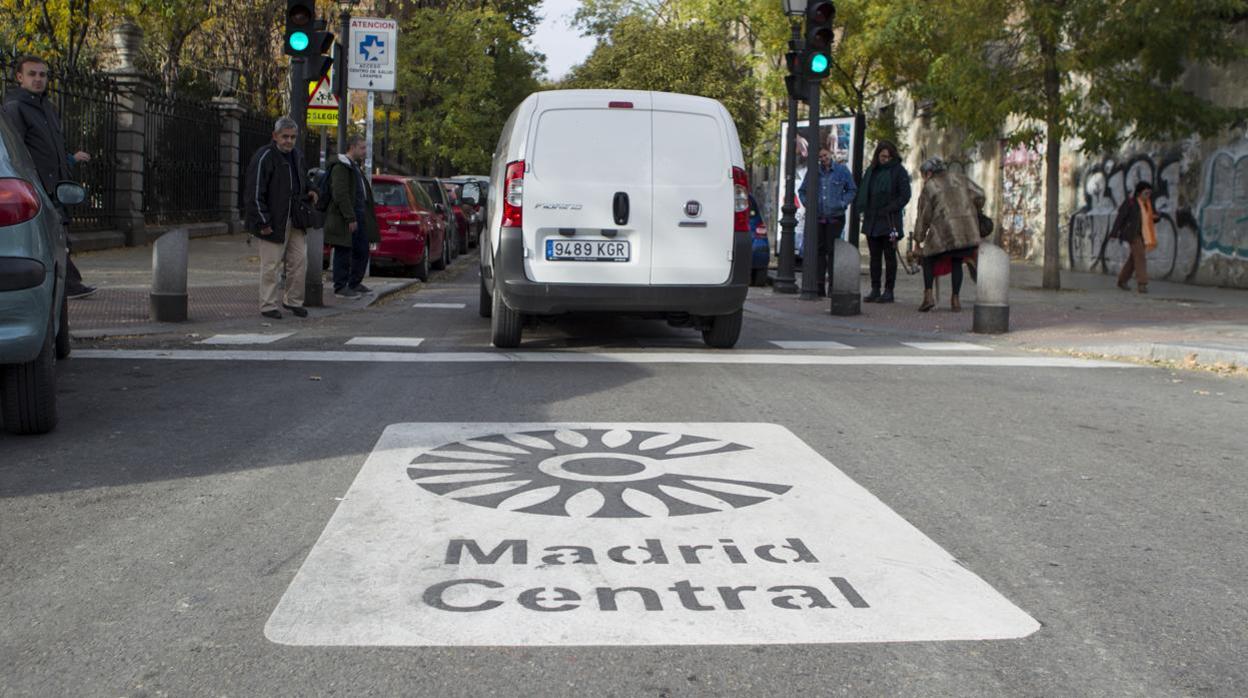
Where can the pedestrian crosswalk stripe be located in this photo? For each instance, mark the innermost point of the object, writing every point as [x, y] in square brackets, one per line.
[385, 341]
[621, 358]
[245, 338]
[444, 306]
[809, 345]
[947, 346]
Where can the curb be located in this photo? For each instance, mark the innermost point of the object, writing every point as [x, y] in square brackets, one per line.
[1191, 354]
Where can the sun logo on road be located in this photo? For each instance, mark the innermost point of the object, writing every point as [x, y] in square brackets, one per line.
[594, 473]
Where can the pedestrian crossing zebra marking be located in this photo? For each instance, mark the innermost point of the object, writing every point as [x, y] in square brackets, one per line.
[784, 344]
[441, 306]
[385, 341]
[947, 346]
[241, 339]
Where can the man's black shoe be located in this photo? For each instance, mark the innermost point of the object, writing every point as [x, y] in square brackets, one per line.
[886, 298]
[80, 291]
[361, 288]
[874, 297]
[275, 314]
[297, 311]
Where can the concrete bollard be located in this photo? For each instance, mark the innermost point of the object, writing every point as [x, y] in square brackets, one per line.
[846, 291]
[314, 286]
[168, 296]
[992, 290]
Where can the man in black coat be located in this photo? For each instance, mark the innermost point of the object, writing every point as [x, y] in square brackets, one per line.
[32, 115]
[271, 190]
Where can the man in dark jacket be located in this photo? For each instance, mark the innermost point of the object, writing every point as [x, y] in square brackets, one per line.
[36, 122]
[351, 221]
[273, 185]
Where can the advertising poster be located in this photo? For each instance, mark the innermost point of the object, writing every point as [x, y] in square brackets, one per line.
[837, 134]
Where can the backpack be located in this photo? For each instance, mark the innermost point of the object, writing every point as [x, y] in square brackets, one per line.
[322, 186]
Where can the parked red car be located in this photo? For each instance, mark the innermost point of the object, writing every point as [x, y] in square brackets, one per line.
[405, 228]
[456, 224]
[441, 245]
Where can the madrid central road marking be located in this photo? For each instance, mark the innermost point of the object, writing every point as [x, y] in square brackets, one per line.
[544, 534]
[569, 357]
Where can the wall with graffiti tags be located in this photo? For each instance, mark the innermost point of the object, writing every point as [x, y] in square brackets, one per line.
[1202, 199]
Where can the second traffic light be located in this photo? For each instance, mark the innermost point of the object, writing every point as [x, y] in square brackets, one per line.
[795, 81]
[317, 59]
[817, 56]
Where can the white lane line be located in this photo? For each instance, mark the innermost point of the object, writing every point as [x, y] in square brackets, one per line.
[385, 341]
[810, 345]
[947, 346]
[571, 357]
[245, 338]
[444, 306]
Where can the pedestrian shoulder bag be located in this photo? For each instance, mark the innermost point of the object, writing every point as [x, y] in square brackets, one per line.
[985, 225]
[324, 192]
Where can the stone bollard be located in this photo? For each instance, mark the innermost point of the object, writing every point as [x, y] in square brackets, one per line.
[846, 291]
[992, 290]
[168, 297]
[314, 286]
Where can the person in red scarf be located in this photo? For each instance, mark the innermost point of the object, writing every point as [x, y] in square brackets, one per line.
[1135, 225]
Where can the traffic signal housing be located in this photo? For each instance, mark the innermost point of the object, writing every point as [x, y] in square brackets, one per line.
[795, 81]
[317, 59]
[299, 20]
[817, 56]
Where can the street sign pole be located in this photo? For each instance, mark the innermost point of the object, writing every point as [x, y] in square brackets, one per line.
[368, 131]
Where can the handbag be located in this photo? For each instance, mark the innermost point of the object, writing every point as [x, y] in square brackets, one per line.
[303, 215]
[985, 225]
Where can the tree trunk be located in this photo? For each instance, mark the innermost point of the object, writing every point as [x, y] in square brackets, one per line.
[1052, 164]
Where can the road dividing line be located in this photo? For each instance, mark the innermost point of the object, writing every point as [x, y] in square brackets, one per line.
[444, 306]
[572, 357]
[810, 345]
[571, 534]
[385, 341]
[235, 339]
[947, 346]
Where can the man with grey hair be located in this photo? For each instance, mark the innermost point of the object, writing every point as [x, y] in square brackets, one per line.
[273, 186]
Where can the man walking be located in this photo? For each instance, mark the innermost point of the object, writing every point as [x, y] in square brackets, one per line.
[351, 222]
[836, 192]
[273, 184]
[34, 118]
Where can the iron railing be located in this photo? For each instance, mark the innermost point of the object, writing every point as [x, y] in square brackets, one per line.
[181, 172]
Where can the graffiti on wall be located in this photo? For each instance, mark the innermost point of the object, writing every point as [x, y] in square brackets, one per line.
[1224, 208]
[1022, 200]
[1105, 186]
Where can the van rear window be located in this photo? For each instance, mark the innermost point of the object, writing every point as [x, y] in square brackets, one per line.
[593, 146]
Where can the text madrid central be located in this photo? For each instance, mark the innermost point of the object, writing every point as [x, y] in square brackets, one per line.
[468, 595]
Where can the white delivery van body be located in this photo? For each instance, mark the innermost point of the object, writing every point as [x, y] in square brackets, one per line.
[617, 201]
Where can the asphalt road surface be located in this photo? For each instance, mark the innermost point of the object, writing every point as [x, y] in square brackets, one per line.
[875, 517]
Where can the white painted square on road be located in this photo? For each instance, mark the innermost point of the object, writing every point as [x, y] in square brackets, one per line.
[245, 338]
[947, 346]
[385, 341]
[546, 534]
[443, 306]
[785, 344]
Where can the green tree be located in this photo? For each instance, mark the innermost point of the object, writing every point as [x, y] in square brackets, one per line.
[1101, 71]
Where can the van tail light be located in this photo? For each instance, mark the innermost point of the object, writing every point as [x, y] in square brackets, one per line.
[513, 195]
[741, 200]
[19, 202]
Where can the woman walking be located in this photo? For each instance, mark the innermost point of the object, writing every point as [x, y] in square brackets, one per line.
[884, 192]
[947, 226]
[1135, 225]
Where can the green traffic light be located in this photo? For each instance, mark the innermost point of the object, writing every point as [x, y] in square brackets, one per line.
[298, 41]
[818, 64]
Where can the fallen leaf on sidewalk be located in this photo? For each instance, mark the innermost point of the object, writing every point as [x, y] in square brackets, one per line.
[314, 378]
[1201, 392]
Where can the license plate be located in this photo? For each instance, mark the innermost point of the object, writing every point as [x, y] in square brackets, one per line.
[587, 251]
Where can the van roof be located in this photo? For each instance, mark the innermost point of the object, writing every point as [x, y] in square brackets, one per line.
[642, 99]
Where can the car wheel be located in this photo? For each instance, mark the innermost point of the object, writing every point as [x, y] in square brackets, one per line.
[446, 252]
[440, 262]
[422, 269]
[62, 336]
[758, 277]
[724, 331]
[484, 302]
[505, 324]
[28, 392]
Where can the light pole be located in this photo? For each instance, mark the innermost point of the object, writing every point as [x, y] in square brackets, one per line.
[340, 69]
[785, 280]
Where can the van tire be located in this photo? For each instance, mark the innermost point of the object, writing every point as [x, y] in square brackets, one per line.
[28, 392]
[62, 336]
[724, 330]
[505, 323]
[484, 303]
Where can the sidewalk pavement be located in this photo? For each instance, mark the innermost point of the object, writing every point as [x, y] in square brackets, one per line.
[1194, 326]
[223, 287]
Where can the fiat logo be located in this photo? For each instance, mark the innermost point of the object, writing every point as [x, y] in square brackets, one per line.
[693, 209]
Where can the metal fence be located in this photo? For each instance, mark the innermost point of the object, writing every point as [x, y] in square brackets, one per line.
[181, 169]
[87, 103]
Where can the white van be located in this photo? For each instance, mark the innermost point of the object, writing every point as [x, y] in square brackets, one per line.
[617, 201]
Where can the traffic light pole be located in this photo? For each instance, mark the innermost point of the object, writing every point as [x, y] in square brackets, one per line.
[785, 281]
[298, 94]
[340, 73]
[810, 246]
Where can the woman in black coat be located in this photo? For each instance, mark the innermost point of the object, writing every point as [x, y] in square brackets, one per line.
[1134, 215]
[883, 193]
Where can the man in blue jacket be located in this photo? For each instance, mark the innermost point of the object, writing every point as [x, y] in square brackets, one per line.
[836, 193]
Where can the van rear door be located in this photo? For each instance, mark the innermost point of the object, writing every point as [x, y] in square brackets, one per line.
[587, 198]
[693, 195]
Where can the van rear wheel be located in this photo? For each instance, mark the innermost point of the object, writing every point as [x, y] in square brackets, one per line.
[723, 331]
[28, 392]
[505, 323]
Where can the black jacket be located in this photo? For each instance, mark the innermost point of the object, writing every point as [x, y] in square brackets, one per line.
[268, 190]
[1128, 223]
[37, 123]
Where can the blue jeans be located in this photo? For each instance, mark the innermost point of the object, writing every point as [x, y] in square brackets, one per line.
[351, 262]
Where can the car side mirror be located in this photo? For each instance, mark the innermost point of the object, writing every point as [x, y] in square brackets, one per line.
[468, 200]
[70, 193]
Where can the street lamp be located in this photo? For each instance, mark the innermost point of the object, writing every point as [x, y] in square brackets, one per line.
[794, 8]
[785, 281]
[226, 79]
